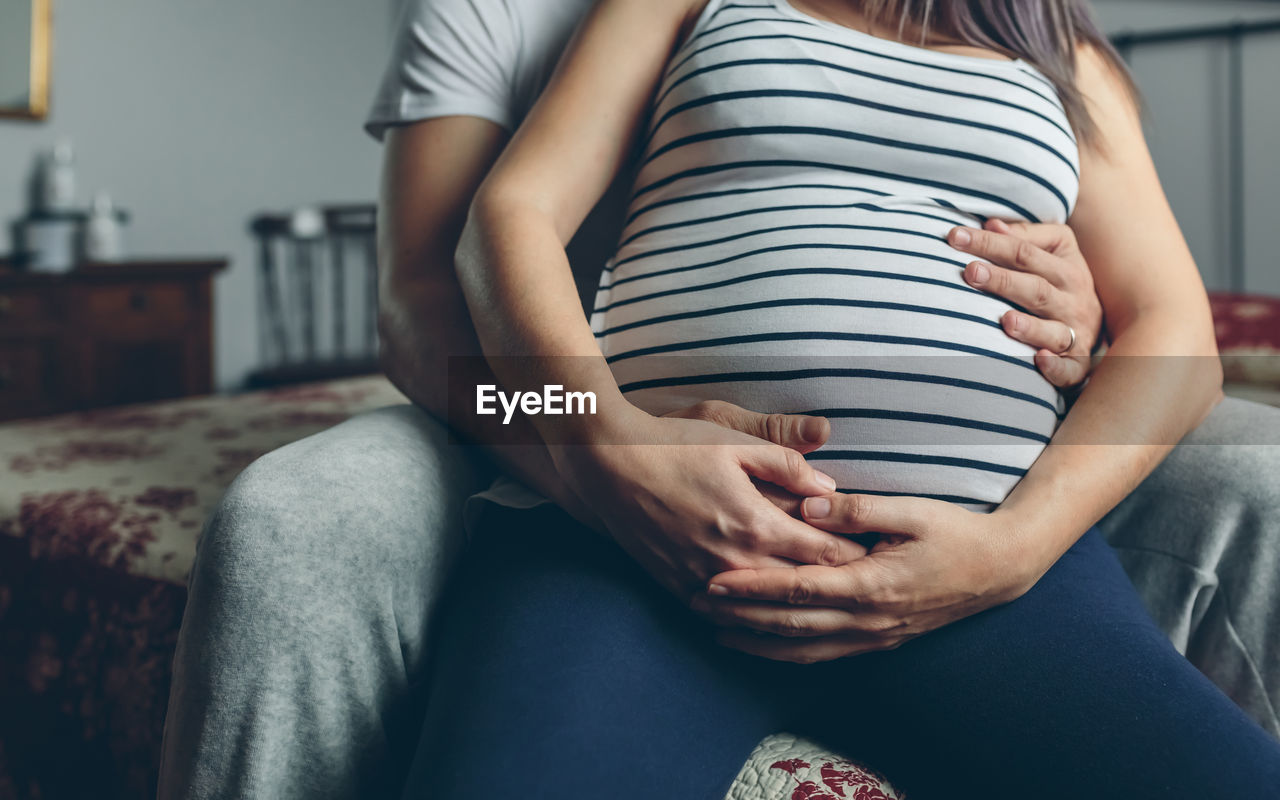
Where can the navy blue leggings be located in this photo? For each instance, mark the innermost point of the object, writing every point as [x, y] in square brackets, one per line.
[564, 671]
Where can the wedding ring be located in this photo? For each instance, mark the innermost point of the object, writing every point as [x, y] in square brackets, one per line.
[1073, 341]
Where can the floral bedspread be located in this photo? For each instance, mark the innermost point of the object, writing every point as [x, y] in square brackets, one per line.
[99, 516]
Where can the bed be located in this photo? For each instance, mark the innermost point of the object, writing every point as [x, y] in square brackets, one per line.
[99, 517]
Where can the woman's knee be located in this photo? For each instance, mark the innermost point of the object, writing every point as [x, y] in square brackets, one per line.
[556, 648]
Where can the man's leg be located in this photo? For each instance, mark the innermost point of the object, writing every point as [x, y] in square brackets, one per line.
[300, 666]
[1201, 541]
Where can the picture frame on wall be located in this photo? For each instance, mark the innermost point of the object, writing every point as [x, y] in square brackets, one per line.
[25, 54]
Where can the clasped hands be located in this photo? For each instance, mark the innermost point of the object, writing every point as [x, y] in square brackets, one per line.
[763, 548]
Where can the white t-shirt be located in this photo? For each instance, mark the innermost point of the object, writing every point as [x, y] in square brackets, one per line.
[491, 59]
[481, 58]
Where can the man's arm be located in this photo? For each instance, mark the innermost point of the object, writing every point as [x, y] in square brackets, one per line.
[430, 172]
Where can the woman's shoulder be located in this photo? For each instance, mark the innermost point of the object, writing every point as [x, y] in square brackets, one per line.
[1103, 80]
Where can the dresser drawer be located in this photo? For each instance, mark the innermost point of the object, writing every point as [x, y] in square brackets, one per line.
[22, 309]
[115, 308]
[104, 334]
[25, 378]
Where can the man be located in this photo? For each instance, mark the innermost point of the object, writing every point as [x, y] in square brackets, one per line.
[304, 651]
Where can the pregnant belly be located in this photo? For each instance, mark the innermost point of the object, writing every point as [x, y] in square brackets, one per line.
[925, 393]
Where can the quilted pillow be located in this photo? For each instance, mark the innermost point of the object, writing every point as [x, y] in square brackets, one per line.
[1248, 331]
[787, 767]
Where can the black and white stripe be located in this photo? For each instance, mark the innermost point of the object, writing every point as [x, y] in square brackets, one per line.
[785, 246]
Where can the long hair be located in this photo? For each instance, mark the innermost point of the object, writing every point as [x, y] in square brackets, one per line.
[1044, 33]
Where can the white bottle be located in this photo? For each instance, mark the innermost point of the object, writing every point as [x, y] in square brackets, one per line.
[103, 237]
[58, 179]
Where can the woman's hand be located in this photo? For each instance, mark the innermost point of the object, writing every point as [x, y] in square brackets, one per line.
[936, 563]
[1038, 268]
[677, 494]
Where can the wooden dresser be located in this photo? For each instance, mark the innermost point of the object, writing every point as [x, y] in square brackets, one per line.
[105, 334]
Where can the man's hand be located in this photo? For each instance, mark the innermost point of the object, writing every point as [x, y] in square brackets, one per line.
[799, 432]
[935, 563]
[1039, 268]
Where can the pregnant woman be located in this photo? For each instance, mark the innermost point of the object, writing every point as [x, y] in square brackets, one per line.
[802, 170]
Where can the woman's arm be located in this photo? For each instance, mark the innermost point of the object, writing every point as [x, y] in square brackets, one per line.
[1160, 377]
[631, 468]
[510, 259]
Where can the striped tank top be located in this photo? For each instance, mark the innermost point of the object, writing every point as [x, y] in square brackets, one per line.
[785, 247]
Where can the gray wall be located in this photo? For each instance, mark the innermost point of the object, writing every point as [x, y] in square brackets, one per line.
[195, 114]
[1184, 86]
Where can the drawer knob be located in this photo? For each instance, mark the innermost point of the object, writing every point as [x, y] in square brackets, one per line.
[138, 301]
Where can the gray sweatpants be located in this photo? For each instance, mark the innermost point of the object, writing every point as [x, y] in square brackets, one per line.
[302, 661]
